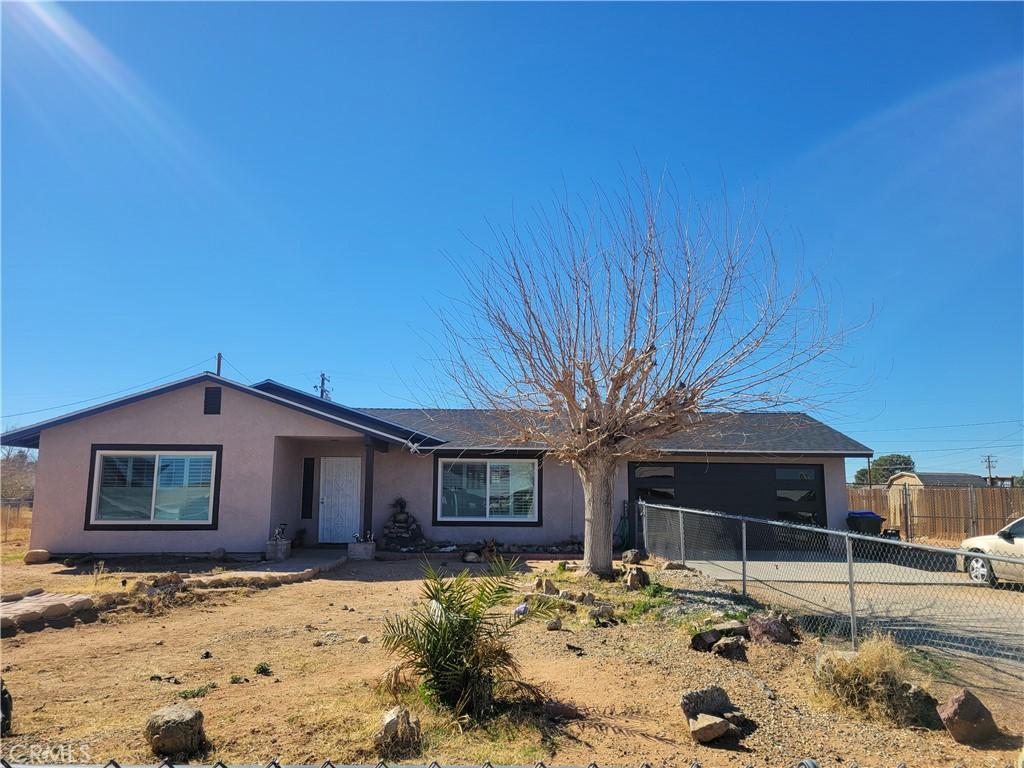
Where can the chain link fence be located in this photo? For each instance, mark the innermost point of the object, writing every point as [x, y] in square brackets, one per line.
[851, 585]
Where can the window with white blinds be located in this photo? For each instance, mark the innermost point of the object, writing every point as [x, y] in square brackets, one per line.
[160, 487]
[485, 490]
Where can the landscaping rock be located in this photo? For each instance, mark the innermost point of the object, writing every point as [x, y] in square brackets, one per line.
[28, 617]
[470, 557]
[399, 734]
[587, 598]
[10, 597]
[712, 700]
[919, 706]
[550, 588]
[565, 594]
[631, 557]
[602, 613]
[764, 628]
[674, 565]
[56, 611]
[362, 639]
[36, 556]
[732, 629]
[706, 727]
[636, 578]
[967, 719]
[176, 731]
[704, 641]
[6, 622]
[554, 625]
[732, 648]
[538, 584]
[206, 654]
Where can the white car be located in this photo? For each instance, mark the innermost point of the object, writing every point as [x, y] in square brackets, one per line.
[1007, 542]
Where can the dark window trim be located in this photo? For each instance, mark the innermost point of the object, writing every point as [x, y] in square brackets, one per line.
[490, 454]
[154, 448]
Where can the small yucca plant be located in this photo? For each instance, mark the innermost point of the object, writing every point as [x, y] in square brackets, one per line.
[455, 643]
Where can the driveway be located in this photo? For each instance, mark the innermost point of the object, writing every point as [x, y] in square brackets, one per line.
[930, 609]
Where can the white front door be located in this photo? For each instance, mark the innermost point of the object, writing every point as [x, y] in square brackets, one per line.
[339, 498]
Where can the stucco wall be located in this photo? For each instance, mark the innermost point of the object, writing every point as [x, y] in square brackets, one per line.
[400, 473]
[246, 428]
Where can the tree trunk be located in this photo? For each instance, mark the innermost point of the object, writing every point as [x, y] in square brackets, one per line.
[597, 477]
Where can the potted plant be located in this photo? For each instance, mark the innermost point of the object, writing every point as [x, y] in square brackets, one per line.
[362, 547]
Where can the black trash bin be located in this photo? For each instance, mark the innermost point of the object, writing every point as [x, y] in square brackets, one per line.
[864, 521]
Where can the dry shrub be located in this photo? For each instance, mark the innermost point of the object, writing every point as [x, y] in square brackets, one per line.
[873, 683]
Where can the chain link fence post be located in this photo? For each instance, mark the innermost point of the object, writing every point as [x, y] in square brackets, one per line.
[682, 538]
[853, 596]
[744, 542]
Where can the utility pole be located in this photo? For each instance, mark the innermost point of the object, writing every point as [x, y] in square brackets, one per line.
[220, 358]
[322, 388]
[989, 462]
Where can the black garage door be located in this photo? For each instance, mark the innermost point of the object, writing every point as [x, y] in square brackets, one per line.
[788, 492]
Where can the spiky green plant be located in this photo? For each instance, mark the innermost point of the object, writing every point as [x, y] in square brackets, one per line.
[456, 642]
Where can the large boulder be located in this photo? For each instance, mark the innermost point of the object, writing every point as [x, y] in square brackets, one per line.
[176, 731]
[36, 556]
[732, 628]
[399, 734]
[967, 719]
[631, 557]
[765, 628]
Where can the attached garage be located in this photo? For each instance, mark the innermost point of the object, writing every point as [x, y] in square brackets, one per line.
[789, 492]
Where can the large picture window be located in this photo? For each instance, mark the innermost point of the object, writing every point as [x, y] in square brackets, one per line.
[499, 490]
[158, 487]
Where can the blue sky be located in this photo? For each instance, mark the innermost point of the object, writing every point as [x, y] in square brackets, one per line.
[281, 182]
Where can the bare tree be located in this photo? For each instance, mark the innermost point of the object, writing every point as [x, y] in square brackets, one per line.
[603, 327]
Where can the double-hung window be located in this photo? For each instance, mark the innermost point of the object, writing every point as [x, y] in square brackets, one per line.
[158, 487]
[485, 490]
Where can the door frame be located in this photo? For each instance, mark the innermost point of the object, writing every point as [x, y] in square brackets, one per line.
[357, 501]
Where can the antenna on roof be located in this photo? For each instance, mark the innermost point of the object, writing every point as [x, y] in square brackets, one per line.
[322, 388]
[220, 358]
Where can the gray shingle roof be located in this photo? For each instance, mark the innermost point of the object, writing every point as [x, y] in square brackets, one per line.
[768, 433]
[956, 479]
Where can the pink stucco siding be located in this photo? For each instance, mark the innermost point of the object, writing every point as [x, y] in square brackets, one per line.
[246, 428]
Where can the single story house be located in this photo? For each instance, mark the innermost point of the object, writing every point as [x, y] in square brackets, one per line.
[207, 463]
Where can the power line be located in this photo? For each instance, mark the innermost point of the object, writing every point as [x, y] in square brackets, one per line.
[942, 426]
[109, 394]
[236, 368]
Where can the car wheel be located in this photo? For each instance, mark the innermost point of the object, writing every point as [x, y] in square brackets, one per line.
[980, 570]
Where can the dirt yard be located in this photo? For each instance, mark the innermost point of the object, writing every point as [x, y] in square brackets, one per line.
[92, 685]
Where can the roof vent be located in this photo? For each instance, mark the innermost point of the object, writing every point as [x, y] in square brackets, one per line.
[211, 401]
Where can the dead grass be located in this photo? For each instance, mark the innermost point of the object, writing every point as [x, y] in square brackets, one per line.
[870, 683]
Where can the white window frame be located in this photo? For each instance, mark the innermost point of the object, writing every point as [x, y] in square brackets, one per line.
[441, 462]
[98, 473]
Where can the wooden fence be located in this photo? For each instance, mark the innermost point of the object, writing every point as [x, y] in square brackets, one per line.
[942, 514]
[15, 515]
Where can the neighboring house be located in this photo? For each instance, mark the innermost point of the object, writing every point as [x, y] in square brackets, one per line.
[937, 480]
[208, 463]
